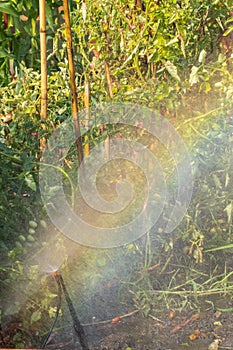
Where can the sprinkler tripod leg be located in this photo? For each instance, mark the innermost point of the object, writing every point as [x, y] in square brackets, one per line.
[76, 323]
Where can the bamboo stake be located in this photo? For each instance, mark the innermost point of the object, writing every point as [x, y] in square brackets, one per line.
[43, 58]
[86, 101]
[108, 77]
[72, 82]
[109, 83]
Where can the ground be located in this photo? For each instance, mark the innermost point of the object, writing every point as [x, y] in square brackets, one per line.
[170, 331]
[183, 331]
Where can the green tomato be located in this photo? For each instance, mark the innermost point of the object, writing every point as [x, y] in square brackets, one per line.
[30, 238]
[22, 238]
[33, 224]
[18, 245]
[213, 230]
[31, 231]
[43, 224]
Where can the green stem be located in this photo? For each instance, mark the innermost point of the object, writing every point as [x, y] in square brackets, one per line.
[12, 158]
[198, 117]
[67, 177]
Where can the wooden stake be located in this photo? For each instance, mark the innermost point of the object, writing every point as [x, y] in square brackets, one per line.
[87, 109]
[43, 58]
[108, 77]
[72, 82]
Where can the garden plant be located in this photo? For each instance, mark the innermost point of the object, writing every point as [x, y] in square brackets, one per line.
[173, 57]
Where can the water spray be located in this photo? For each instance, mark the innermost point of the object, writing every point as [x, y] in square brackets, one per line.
[76, 323]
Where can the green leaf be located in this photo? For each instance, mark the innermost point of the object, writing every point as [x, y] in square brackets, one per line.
[5, 7]
[30, 182]
[227, 180]
[205, 86]
[194, 78]
[172, 70]
[36, 316]
[173, 41]
[228, 31]
[49, 16]
[221, 58]
[4, 53]
[228, 210]
[202, 56]
[153, 57]
[217, 181]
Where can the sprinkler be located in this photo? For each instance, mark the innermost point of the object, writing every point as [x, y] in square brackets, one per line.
[76, 323]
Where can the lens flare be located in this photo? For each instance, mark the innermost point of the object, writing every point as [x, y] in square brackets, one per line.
[123, 192]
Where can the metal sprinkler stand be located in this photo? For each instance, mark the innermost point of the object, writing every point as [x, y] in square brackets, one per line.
[76, 323]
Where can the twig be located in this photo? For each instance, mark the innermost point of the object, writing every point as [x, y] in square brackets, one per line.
[110, 321]
[183, 324]
[155, 318]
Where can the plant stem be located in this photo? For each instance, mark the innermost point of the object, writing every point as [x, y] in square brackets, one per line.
[190, 120]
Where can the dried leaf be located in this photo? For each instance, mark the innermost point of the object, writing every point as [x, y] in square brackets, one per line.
[214, 345]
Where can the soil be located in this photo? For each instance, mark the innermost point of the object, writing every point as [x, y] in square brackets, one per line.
[170, 331]
[139, 333]
[163, 334]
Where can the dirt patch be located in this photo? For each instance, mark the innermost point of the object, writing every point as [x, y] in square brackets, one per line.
[195, 331]
[179, 331]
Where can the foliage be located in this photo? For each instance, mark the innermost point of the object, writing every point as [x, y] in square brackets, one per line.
[173, 57]
[151, 42]
[186, 266]
[19, 35]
